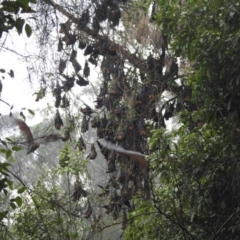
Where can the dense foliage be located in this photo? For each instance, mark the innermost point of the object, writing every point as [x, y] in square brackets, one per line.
[196, 195]
[179, 63]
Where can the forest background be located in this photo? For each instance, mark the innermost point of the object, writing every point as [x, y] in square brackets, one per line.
[157, 138]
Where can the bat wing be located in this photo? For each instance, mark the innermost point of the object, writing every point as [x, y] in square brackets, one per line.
[138, 157]
[25, 129]
[50, 138]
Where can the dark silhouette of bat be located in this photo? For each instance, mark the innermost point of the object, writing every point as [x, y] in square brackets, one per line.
[58, 121]
[65, 27]
[65, 102]
[57, 101]
[125, 221]
[111, 167]
[1, 87]
[69, 39]
[86, 70]
[87, 110]
[95, 221]
[73, 55]
[61, 66]
[138, 157]
[93, 153]
[76, 65]
[78, 192]
[81, 45]
[84, 19]
[81, 81]
[67, 85]
[103, 150]
[85, 122]
[60, 45]
[80, 144]
[88, 50]
[88, 213]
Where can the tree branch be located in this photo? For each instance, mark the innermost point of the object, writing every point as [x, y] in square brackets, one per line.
[132, 58]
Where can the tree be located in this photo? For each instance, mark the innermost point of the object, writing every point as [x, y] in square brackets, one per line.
[196, 196]
[190, 185]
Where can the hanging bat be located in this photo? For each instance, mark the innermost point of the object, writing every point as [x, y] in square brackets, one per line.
[81, 45]
[92, 60]
[80, 144]
[81, 81]
[121, 176]
[78, 192]
[65, 27]
[84, 19]
[111, 167]
[95, 122]
[58, 101]
[87, 110]
[69, 39]
[138, 157]
[88, 213]
[73, 55]
[103, 149]
[88, 50]
[67, 85]
[60, 45]
[85, 122]
[125, 221]
[93, 153]
[58, 121]
[57, 91]
[76, 65]
[95, 222]
[86, 70]
[95, 25]
[62, 66]
[65, 102]
[1, 87]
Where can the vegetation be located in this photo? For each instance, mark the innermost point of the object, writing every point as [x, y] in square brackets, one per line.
[178, 62]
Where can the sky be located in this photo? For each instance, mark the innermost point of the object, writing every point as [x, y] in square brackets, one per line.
[16, 91]
[19, 91]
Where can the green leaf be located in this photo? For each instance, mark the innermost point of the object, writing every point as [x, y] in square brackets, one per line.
[31, 112]
[11, 73]
[3, 215]
[28, 30]
[10, 184]
[4, 165]
[9, 139]
[32, 1]
[10, 6]
[19, 201]
[22, 115]
[23, 4]
[8, 153]
[16, 148]
[19, 25]
[4, 143]
[3, 150]
[21, 190]
[13, 205]
[5, 191]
